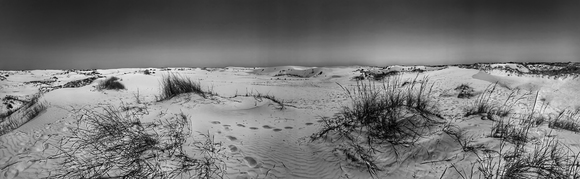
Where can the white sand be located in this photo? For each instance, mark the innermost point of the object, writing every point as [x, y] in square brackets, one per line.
[263, 141]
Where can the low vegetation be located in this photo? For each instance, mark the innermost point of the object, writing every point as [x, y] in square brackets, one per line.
[111, 83]
[384, 113]
[484, 103]
[547, 158]
[459, 135]
[567, 120]
[19, 116]
[465, 91]
[173, 85]
[260, 96]
[116, 144]
[550, 159]
[381, 76]
[509, 131]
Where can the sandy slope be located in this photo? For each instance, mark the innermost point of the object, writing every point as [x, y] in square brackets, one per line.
[263, 141]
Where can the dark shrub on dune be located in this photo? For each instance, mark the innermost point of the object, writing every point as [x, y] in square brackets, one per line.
[111, 83]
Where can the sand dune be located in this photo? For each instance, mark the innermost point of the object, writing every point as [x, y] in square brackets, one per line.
[260, 139]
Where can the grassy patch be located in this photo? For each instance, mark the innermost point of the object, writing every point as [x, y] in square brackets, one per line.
[28, 111]
[484, 104]
[111, 83]
[505, 130]
[383, 113]
[115, 144]
[550, 159]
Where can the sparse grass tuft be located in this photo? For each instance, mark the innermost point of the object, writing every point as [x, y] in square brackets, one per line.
[173, 85]
[505, 130]
[459, 135]
[484, 105]
[111, 83]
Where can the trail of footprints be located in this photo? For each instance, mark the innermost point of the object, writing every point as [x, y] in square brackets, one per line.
[275, 129]
[249, 161]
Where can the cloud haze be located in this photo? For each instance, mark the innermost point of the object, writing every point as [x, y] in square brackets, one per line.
[39, 34]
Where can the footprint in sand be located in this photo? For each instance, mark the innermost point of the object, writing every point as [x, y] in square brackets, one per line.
[319, 121]
[277, 130]
[241, 125]
[215, 122]
[288, 127]
[266, 127]
[309, 123]
[251, 162]
[233, 148]
[254, 128]
[231, 138]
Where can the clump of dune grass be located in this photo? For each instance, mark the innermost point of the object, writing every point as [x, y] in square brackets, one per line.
[567, 120]
[484, 104]
[550, 159]
[111, 83]
[28, 111]
[465, 91]
[384, 113]
[173, 85]
[111, 143]
[513, 133]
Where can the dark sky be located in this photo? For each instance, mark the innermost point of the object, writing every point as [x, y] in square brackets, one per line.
[56, 34]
